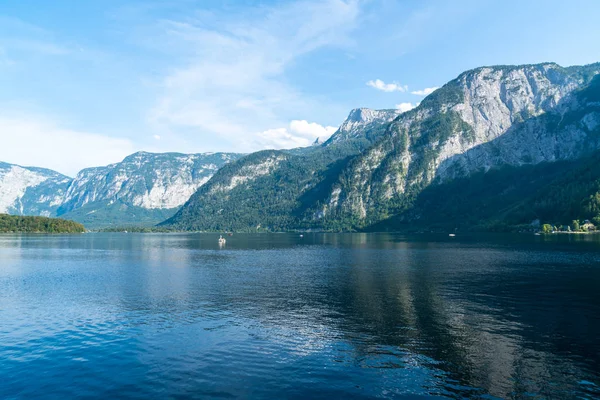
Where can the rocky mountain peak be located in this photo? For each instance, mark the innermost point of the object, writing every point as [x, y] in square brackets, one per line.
[486, 118]
[367, 115]
[361, 120]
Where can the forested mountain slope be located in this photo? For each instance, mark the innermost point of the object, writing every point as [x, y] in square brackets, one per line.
[271, 190]
[485, 120]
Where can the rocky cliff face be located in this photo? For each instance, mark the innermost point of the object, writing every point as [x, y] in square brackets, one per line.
[486, 118]
[146, 180]
[148, 183]
[362, 123]
[31, 191]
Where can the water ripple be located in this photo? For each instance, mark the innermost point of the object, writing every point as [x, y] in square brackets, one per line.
[328, 316]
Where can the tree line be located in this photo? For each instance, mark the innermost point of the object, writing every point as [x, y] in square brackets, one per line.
[23, 224]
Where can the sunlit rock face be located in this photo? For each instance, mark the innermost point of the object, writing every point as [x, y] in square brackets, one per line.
[486, 118]
[31, 191]
[359, 121]
[148, 181]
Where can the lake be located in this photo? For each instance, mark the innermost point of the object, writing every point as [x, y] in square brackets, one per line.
[283, 316]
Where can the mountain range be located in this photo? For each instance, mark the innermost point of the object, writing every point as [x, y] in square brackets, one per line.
[496, 147]
[144, 188]
[30, 190]
[376, 172]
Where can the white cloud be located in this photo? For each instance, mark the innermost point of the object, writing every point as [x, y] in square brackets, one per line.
[36, 141]
[404, 107]
[299, 133]
[311, 130]
[426, 91]
[156, 137]
[233, 81]
[387, 87]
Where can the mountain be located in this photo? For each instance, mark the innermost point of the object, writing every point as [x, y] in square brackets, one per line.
[362, 124]
[30, 190]
[380, 166]
[497, 146]
[507, 199]
[144, 188]
[271, 189]
[487, 118]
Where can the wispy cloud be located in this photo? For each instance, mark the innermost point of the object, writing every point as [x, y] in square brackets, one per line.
[203, 76]
[17, 36]
[233, 81]
[404, 107]
[387, 87]
[425, 92]
[34, 140]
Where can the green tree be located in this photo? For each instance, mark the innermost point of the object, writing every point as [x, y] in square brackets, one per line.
[575, 225]
[547, 228]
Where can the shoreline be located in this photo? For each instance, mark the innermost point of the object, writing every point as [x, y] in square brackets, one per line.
[571, 233]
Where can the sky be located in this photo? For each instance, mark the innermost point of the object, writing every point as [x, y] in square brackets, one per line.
[85, 83]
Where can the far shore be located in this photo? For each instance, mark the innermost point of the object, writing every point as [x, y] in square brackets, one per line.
[571, 233]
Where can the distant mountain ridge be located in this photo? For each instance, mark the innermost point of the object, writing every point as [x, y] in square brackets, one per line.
[528, 134]
[147, 180]
[31, 190]
[144, 187]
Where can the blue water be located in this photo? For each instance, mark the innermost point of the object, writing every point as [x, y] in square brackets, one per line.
[279, 316]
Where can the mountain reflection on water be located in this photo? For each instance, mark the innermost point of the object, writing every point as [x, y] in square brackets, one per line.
[325, 315]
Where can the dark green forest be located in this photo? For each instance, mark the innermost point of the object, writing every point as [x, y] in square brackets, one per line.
[22, 224]
[507, 199]
[273, 202]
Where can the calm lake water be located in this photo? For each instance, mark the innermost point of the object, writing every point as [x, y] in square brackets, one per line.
[279, 316]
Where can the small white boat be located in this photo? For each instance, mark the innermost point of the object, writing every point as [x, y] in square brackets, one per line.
[301, 236]
[222, 240]
[452, 235]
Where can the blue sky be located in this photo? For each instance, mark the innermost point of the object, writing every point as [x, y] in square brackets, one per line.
[85, 83]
